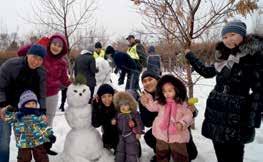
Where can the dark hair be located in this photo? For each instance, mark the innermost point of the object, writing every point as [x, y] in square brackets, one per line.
[179, 88]
[109, 50]
[98, 45]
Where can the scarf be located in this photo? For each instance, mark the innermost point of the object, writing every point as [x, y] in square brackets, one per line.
[170, 110]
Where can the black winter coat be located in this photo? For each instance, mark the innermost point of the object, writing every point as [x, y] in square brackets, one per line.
[102, 116]
[124, 63]
[16, 77]
[85, 64]
[234, 106]
[146, 115]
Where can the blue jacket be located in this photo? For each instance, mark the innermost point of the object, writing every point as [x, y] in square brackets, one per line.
[29, 127]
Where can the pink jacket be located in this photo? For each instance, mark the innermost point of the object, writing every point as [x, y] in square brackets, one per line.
[183, 115]
[56, 66]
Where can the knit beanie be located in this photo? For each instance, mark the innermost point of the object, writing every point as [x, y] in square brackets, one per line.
[25, 97]
[98, 45]
[105, 89]
[37, 50]
[109, 50]
[150, 73]
[235, 26]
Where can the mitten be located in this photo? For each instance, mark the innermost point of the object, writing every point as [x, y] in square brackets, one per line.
[120, 82]
[48, 145]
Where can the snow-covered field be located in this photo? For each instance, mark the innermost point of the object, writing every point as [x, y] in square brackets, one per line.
[253, 151]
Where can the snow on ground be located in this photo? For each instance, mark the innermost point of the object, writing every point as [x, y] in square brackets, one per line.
[253, 151]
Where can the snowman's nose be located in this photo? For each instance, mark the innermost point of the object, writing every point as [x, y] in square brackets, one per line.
[80, 94]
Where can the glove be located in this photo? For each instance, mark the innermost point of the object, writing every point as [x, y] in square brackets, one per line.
[97, 70]
[48, 145]
[120, 82]
[116, 70]
[131, 124]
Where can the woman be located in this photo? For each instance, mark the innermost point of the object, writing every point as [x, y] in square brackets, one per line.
[234, 105]
[103, 111]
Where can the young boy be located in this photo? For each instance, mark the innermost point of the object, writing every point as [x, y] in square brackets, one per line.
[33, 136]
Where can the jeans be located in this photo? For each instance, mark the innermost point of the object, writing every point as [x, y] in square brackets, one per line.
[5, 133]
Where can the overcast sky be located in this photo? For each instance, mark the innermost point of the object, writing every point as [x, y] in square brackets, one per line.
[118, 17]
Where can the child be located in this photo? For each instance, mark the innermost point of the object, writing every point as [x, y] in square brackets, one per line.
[30, 127]
[103, 111]
[129, 125]
[170, 127]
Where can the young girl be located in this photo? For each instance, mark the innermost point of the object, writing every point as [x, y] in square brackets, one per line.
[103, 111]
[129, 125]
[170, 127]
[33, 136]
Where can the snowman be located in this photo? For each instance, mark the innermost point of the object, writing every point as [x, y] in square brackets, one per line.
[83, 142]
[103, 76]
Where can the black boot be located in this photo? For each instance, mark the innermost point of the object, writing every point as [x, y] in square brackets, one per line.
[153, 159]
[50, 152]
[140, 148]
[62, 107]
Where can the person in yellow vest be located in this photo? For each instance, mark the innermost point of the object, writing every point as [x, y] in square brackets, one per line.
[98, 52]
[136, 52]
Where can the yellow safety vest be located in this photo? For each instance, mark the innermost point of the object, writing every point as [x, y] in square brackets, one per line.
[101, 54]
[133, 52]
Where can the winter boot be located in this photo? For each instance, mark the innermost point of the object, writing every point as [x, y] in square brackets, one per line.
[153, 159]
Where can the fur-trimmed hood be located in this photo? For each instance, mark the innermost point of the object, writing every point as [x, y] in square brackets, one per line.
[251, 44]
[120, 96]
[225, 57]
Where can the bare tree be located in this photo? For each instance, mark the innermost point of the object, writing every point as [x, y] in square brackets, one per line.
[65, 16]
[184, 21]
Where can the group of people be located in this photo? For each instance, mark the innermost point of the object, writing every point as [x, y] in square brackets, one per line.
[233, 109]
[169, 117]
[29, 98]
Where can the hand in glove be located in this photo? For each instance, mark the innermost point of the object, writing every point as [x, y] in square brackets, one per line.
[48, 145]
[120, 82]
[131, 124]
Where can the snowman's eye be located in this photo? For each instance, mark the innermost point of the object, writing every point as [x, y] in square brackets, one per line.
[84, 90]
[75, 91]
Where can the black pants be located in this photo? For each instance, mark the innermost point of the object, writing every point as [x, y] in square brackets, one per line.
[91, 93]
[191, 148]
[229, 152]
[132, 80]
[63, 98]
[150, 140]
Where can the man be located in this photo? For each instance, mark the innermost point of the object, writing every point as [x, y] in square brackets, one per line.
[126, 65]
[149, 81]
[17, 75]
[85, 65]
[99, 52]
[153, 60]
[136, 52]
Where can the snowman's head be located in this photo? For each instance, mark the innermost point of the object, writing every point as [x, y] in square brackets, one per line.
[78, 95]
